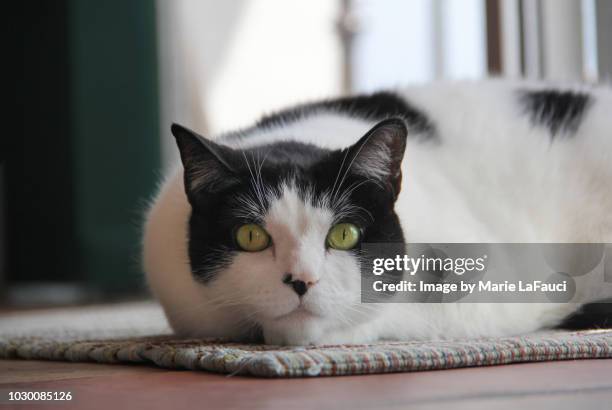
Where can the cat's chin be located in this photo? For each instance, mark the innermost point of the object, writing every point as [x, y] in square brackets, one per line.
[298, 327]
[299, 314]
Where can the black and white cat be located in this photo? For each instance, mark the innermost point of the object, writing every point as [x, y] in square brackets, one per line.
[258, 232]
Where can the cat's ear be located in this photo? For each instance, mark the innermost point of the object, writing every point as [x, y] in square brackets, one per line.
[378, 154]
[208, 166]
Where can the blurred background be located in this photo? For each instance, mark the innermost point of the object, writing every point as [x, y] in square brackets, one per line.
[98, 83]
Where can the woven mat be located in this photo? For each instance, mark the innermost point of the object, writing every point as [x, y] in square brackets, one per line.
[138, 333]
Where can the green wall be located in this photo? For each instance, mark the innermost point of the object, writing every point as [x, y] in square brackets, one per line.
[114, 110]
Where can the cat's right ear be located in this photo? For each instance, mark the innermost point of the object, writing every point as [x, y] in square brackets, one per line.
[207, 165]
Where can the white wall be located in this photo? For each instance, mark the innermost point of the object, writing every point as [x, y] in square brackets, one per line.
[224, 63]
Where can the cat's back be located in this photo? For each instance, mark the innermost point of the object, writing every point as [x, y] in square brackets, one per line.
[456, 112]
[491, 160]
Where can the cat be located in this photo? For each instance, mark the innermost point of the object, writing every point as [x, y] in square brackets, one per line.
[248, 239]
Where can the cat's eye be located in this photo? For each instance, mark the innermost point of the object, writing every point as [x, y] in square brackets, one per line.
[343, 236]
[252, 238]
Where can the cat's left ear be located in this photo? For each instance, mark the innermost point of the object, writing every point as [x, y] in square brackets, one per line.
[208, 166]
[378, 154]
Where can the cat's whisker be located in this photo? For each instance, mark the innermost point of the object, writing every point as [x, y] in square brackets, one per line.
[339, 172]
[254, 184]
[257, 181]
[350, 165]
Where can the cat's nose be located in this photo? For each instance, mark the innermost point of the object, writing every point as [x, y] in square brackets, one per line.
[299, 286]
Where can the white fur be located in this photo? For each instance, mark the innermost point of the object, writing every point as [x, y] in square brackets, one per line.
[492, 178]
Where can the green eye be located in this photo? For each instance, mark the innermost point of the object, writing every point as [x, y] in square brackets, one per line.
[343, 236]
[252, 238]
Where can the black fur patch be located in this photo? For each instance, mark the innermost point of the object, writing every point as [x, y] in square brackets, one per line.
[377, 106]
[559, 111]
[591, 316]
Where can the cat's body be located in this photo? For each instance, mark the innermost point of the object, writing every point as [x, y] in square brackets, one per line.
[489, 161]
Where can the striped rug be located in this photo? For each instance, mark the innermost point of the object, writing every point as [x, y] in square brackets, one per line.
[138, 333]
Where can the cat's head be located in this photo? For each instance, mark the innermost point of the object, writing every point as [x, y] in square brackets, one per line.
[276, 230]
